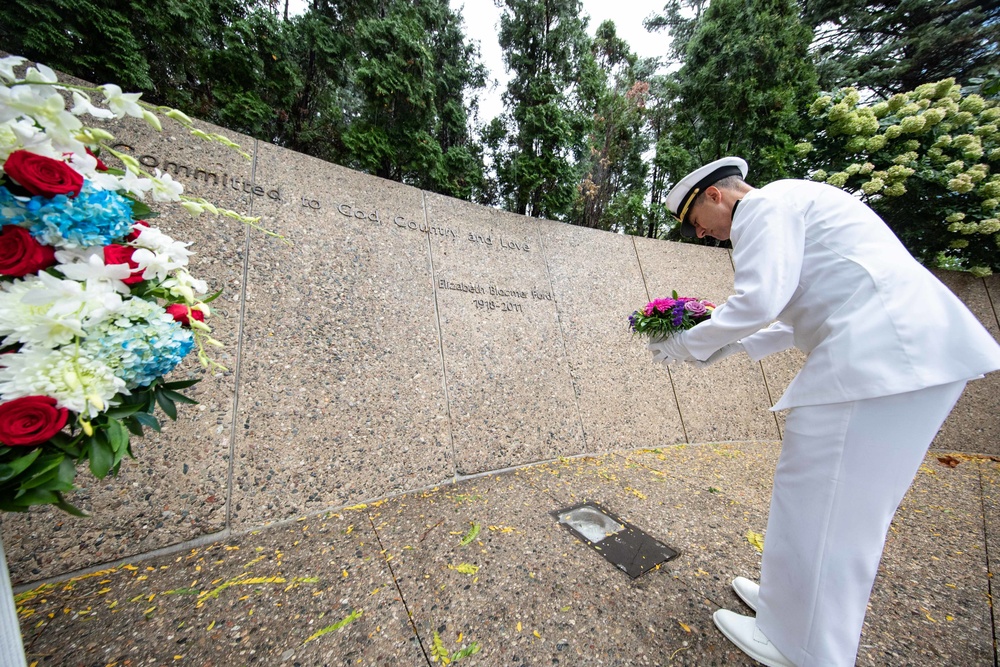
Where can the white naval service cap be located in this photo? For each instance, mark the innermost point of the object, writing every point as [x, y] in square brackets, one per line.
[683, 193]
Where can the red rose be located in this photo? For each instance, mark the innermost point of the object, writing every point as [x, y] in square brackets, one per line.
[100, 165]
[42, 175]
[122, 254]
[136, 230]
[182, 313]
[21, 254]
[30, 420]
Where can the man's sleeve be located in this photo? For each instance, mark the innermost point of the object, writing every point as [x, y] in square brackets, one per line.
[767, 252]
[776, 338]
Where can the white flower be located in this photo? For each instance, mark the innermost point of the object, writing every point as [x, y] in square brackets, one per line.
[81, 384]
[26, 315]
[7, 66]
[83, 105]
[153, 239]
[91, 301]
[88, 265]
[25, 135]
[165, 188]
[84, 163]
[41, 73]
[122, 104]
[129, 183]
[48, 109]
[154, 264]
[185, 286]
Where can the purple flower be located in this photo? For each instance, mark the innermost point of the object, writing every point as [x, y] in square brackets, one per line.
[678, 314]
[696, 309]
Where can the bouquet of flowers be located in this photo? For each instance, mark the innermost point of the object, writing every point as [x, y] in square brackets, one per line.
[664, 317]
[96, 304]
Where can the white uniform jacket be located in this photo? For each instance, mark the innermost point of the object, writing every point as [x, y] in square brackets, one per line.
[845, 291]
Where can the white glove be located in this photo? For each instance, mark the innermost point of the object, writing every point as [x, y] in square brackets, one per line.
[719, 355]
[669, 350]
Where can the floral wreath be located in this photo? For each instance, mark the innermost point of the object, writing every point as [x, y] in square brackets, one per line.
[96, 304]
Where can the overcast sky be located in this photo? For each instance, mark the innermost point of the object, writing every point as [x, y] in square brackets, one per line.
[482, 22]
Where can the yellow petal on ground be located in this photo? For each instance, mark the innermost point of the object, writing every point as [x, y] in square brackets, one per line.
[519, 626]
[536, 634]
[756, 540]
[684, 626]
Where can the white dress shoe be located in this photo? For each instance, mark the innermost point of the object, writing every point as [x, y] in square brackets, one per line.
[742, 631]
[747, 590]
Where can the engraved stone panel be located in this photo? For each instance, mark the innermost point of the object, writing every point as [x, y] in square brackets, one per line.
[510, 391]
[175, 490]
[341, 393]
[968, 429]
[726, 401]
[624, 401]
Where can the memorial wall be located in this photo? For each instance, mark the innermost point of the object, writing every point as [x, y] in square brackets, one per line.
[401, 339]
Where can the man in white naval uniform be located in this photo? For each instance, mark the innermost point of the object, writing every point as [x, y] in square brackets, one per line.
[890, 350]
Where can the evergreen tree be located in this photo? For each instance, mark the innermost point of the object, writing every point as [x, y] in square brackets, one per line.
[746, 80]
[892, 47]
[613, 189]
[538, 142]
[220, 60]
[412, 72]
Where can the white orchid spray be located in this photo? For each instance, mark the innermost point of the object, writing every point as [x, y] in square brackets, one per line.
[96, 304]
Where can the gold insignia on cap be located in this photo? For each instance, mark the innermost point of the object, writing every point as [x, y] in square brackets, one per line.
[690, 198]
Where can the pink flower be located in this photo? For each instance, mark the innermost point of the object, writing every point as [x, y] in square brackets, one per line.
[661, 306]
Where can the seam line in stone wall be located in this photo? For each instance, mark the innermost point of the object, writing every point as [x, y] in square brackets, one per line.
[399, 589]
[562, 336]
[670, 376]
[201, 540]
[440, 336]
[993, 306]
[989, 571]
[770, 399]
[763, 373]
[237, 373]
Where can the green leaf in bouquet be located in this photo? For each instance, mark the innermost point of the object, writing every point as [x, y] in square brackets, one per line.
[122, 411]
[36, 497]
[67, 507]
[181, 384]
[177, 397]
[101, 455]
[66, 443]
[18, 465]
[212, 297]
[133, 425]
[44, 469]
[117, 436]
[140, 210]
[148, 420]
[166, 404]
[61, 478]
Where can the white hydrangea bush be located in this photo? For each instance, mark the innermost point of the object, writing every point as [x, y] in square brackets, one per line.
[927, 160]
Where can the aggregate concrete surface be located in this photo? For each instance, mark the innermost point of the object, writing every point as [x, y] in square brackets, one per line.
[480, 573]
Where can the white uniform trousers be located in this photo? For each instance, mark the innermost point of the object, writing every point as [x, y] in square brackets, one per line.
[842, 472]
